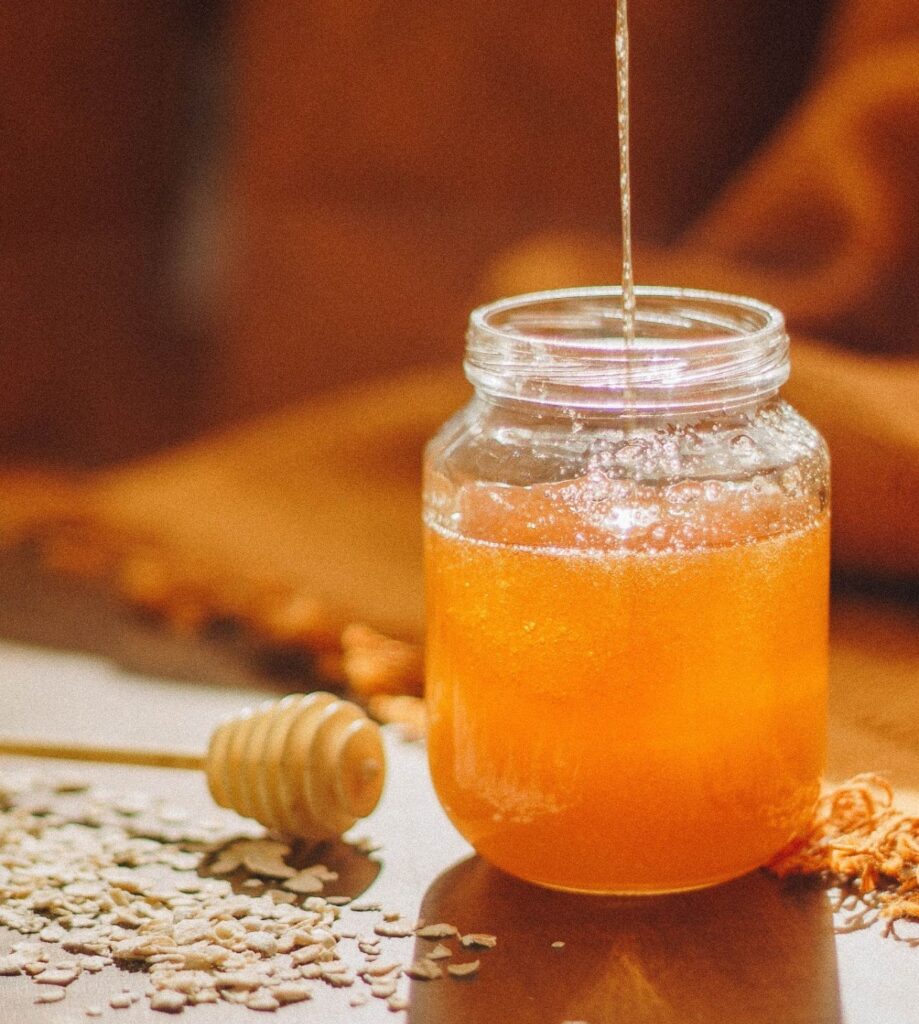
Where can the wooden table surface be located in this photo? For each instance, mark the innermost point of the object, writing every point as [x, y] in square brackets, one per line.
[751, 951]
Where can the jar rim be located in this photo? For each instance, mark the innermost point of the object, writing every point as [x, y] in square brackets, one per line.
[694, 350]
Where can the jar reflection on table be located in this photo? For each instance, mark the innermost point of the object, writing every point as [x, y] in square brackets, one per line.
[627, 591]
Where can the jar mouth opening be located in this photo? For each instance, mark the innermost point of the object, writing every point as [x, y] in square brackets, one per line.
[693, 349]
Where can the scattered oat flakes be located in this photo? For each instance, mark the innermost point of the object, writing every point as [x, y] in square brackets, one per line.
[341, 978]
[324, 938]
[394, 929]
[263, 857]
[292, 992]
[96, 877]
[50, 995]
[436, 931]
[246, 980]
[90, 949]
[262, 942]
[558, 944]
[397, 1003]
[306, 954]
[310, 880]
[463, 970]
[262, 1000]
[93, 1011]
[58, 976]
[424, 970]
[168, 1001]
[378, 970]
[479, 939]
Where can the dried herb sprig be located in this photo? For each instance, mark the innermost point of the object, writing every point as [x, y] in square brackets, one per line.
[861, 843]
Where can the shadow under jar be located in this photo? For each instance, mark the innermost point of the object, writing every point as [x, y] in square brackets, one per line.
[627, 574]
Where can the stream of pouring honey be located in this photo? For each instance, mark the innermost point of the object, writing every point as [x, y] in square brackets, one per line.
[625, 191]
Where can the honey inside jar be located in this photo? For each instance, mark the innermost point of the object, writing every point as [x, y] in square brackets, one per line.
[627, 661]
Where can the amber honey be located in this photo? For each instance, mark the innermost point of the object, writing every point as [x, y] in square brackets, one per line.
[631, 719]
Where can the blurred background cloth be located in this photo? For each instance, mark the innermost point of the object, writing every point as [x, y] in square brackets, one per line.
[214, 210]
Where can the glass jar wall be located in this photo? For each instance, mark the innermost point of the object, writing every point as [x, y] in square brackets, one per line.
[627, 586]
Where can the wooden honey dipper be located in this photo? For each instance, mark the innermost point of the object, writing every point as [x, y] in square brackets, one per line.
[307, 766]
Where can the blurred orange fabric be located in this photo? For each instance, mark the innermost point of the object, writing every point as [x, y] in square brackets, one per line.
[385, 153]
[384, 167]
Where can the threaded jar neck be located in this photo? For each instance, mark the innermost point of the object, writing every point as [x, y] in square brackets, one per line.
[694, 351]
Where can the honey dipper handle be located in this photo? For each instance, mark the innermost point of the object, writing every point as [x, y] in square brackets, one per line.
[103, 755]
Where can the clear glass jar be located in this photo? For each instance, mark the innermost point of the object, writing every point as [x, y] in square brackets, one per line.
[627, 574]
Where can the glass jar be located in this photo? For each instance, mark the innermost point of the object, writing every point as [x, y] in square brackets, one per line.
[627, 574]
